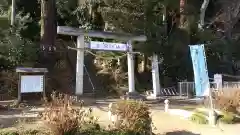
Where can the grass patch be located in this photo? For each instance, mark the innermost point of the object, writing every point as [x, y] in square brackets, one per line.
[191, 107]
[229, 118]
[199, 117]
[24, 132]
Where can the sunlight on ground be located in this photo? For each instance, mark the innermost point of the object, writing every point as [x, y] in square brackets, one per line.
[162, 121]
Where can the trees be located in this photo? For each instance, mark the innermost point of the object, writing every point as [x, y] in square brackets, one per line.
[185, 24]
[14, 49]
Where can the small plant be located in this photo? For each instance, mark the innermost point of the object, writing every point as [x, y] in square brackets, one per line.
[63, 118]
[9, 133]
[199, 118]
[23, 132]
[227, 118]
[134, 117]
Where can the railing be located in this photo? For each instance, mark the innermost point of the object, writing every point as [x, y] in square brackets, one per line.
[170, 91]
[187, 89]
[231, 84]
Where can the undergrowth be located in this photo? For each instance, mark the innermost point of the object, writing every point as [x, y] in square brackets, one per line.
[62, 117]
[133, 116]
[199, 117]
[227, 100]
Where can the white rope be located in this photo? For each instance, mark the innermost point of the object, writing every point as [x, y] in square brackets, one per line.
[101, 57]
[110, 58]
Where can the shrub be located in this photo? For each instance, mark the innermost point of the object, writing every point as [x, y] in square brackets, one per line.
[227, 100]
[8, 85]
[227, 118]
[202, 118]
[133, 117]
[104, 132]
[9, 133]
[199, 118]
[23, 132]
[63, 118]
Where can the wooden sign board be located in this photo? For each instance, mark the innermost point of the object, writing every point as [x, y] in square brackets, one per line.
[32, 83]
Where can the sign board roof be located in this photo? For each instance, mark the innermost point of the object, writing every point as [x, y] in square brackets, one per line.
[31, 70]
[107, 46]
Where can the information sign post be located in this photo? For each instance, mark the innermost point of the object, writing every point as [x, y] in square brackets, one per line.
[31, 80]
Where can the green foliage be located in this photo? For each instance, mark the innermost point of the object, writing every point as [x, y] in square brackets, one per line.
[228, 118]
[4, 22]
[25, 132]
[199, 118]
[4, 6]
[65, 12]
[135, 16]
[9, 133]
[14, 49]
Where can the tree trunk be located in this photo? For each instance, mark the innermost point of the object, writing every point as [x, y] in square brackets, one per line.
[136, 65]
[48, 37]
[144, 63]
[13, 13]
[228, 37]
[48, 33]
[202, 14]
[182, 16]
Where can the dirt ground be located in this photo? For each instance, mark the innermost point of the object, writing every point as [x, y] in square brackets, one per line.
[163, 122]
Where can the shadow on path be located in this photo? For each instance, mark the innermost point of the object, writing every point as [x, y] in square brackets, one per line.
[181, 133]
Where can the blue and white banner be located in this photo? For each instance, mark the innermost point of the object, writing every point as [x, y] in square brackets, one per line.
[202, 85]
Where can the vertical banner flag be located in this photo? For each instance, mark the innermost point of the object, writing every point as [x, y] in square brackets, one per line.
[202, 85]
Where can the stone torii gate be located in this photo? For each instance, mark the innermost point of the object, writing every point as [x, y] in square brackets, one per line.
[127, 38]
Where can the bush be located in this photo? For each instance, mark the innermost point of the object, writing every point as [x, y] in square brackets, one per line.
[199, 118]
[63, 118]
[229, 118]
[9, 133]
[202, 118]
[133, 117]
[105, 132]
[23, 132]
[8, 85]
[227, 100]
